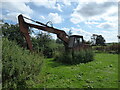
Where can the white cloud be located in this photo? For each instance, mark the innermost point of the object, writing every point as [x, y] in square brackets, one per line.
[45, 3]
[103, 15]
[13, 9]
[66, 2]
[91, 22]
[82, 13]
[76, 31]
[76, 18]
[110, 36]
[10, 16]
[59, 7]
[16, 7]
[42, 17]
[55, 18]
[13, 16]
[97, 1]
[95, 11]
[66, 29]
[85, 34]
[52, 4]
[106, 25]
[15, 0]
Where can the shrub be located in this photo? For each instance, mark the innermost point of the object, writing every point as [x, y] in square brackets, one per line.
[64, 57]
[18, 65]
[42, 43]
[113, 48]
[82, 56]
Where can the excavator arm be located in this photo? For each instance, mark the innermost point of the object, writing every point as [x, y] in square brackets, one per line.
[24, 27]
[60, 34]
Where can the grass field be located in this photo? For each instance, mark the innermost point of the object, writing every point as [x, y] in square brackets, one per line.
[100, 73]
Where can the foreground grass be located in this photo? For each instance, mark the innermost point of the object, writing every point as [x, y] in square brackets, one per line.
[101, 73]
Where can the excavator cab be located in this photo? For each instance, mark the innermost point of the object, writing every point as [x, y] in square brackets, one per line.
[75, 41]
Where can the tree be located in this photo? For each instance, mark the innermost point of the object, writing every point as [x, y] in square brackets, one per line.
[12, 32]
[97, 40]
[100, 40]
[58, 41]
[41, 43]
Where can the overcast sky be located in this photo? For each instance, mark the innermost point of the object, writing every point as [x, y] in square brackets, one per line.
[83, 17]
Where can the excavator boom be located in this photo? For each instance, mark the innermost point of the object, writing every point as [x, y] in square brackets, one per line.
[24, 28]
[61, 34]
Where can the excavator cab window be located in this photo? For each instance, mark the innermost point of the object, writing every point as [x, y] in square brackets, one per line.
[75, 41]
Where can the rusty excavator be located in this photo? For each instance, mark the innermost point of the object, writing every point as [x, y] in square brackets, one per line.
[73, 42]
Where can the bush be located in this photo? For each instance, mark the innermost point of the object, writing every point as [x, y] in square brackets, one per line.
[41, 43]
[18, 65]
[82, 56]
[63, 57]
[12, 32]
[113, 48]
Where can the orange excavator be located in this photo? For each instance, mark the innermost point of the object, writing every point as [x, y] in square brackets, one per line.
[73, 42]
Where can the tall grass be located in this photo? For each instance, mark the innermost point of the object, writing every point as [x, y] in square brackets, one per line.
[76, 57]
[18, 65]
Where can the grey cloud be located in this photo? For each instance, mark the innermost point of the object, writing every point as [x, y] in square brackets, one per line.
[106, 26]
[93, 8]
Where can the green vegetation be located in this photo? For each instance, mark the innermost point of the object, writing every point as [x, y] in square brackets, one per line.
[97, 40]
[45, 44]
[82, 56]
[110, 48]
[12, 32]
[42, 43]
[100, 73]
[18, 65]
[50, 67]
